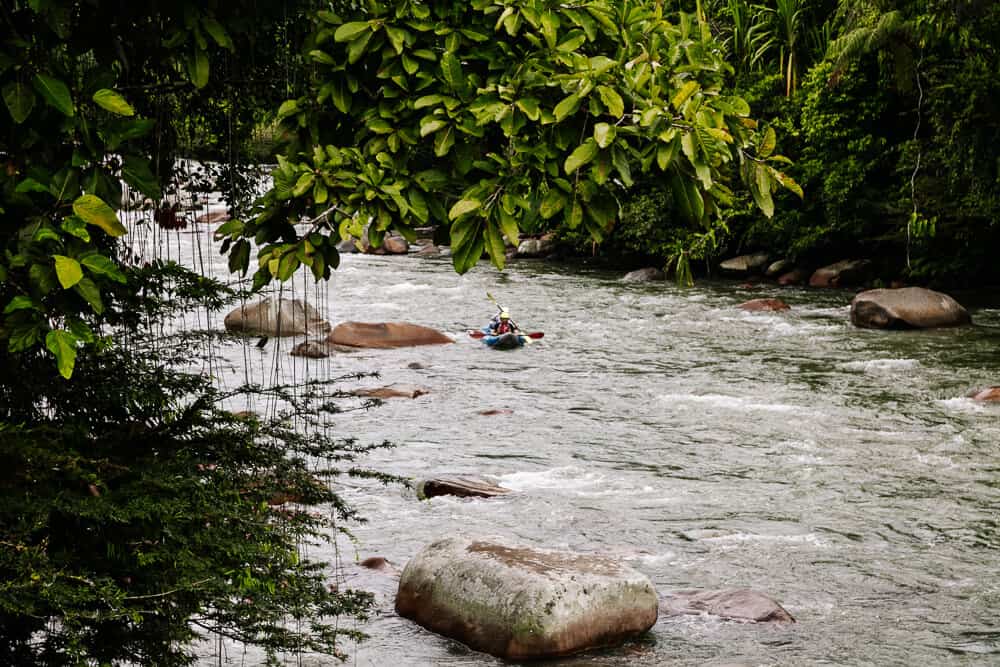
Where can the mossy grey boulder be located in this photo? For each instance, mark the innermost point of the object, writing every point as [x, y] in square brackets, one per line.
[907, 308]
[649, 274]
[745, 264]
[520, 602]
[276, 317]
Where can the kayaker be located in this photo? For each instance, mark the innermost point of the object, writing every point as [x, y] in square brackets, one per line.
[501, 324]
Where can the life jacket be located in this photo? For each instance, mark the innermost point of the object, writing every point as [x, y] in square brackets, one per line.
[504, 327]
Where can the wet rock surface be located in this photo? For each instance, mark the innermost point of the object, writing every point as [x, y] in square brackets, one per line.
[462, 487]
[907, 308]
[738, 604]
[276, 317]
[386, 335]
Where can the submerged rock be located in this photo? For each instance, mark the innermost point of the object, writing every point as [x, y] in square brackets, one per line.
[463, 487]
[391, 245]
[646, 275]
[739, 604]
[276, 317]
[756, 305]
[842, 274]
[907, 308]
[519, 602]
[385, 334]
[393, 391]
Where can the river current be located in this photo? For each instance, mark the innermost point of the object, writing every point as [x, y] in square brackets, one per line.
[841, 471]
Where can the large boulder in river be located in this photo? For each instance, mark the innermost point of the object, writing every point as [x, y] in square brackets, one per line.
[541, 247]
[907, 308]
[793, 277]
[779, 268]
[276, 317]
[462, 487]
[842, 274]
[646, 275]
[385, 334]
[738, 604]
[745, 264]
[392, 391]
[520, 602]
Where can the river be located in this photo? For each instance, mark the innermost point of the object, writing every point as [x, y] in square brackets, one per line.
[841, 471]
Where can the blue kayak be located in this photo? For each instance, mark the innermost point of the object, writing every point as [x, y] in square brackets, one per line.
[507, 341]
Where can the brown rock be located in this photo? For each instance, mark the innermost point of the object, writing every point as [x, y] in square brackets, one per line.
[314, 349]
[392, 391]
[793, 277]
[906, 308]
[462, 487]
[738, 604]
[497, 411]
[386, 334]
[755, 305]
[395, 245]
[745, 264]
[429, 251]
[842, 274]
[987, 394]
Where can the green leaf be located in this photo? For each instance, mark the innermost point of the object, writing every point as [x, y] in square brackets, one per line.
[428, 101]
[553, 202]
[612, 101]
[349, 31]
[137, 173]
[288, 108]
[217, 32]
[287, 266]
[529, 106]
[20, 100]
[444, 141]
[451, 69]
[568, 106]
[94, 211]
[604, 134]
[572, 43]
[685, 92]
[509, 227]
[67, 270]
[303, 184]
[77, 227]
[356, 49]
[101, 265]
[666, 152]
[583, 154]
[198, 68]
[768, 143]
[20, 303]
[619, 157]
[54, 92]
[322, 57]
[341, 97]
[418, 204]
[88, 289]
[463, 207]
[62, 344]
[431, 124]
[467, 245]
[495, 245]
[113, 102]
[239, 257]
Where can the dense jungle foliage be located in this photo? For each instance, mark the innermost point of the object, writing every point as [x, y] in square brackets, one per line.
[888, 110]
[137, 512]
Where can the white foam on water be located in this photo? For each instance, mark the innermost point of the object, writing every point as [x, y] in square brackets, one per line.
[880, 365]
[962, 404]
[936, 461]
[803, 538]
[784, 328]
[566, 477]
[696, 401]
[406, 288]
[385, 305]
